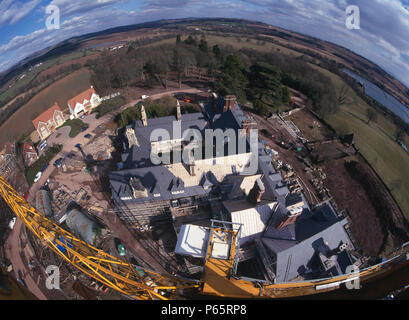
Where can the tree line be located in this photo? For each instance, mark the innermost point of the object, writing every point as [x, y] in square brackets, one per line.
[151, 66]
[265, 78]
[261, 78]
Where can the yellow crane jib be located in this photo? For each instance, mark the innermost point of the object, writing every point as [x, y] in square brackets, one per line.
[136, 282]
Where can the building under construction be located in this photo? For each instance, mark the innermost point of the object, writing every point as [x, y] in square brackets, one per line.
[280, 238]
[261, 240]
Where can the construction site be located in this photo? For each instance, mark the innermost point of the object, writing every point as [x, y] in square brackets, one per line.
[119, 226]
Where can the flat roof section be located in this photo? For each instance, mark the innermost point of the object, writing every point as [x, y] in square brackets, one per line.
[192, 241]
[254, 220]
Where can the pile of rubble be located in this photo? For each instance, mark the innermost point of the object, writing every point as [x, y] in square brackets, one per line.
[318, 183]
[61, 196]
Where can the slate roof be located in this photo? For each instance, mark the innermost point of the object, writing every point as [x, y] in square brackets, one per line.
[295, 245]
[292, 261]
[136, 160]
[139, 156]
[156, 180]
[219, 119]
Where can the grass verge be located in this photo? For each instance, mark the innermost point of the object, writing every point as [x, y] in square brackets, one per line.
[38, 165]
[76, 125]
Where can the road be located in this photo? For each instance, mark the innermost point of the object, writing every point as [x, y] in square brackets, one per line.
[13, 250]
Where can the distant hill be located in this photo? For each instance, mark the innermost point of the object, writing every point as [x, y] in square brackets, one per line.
[307, 44]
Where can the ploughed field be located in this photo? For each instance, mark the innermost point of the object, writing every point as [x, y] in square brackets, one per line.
[20, 123]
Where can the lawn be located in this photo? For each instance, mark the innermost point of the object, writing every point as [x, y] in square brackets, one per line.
[375, 141]
[76, 126]
[38, 165]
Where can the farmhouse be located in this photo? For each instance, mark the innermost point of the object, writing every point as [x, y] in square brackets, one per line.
[84, 102]
[48, 121]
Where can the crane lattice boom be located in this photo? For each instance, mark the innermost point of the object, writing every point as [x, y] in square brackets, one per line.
[136, 282]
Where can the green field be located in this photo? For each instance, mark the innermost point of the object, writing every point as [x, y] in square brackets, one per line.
[375, 141]
[30, 75]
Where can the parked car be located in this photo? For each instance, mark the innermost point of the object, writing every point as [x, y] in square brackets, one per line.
[38, 176]
[57, 163]
[144, 96]
[78, 145]
[84, 128]
[45, 167]
[42, 145]
[121, 250]
[12, 223]
[120, 247]
[88, 136]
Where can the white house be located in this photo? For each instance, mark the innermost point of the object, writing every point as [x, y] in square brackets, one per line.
[84, 102]
[48, 121]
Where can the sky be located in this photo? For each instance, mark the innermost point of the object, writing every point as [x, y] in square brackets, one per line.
[383, 36]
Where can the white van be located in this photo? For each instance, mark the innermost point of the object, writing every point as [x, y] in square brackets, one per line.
[12, 223]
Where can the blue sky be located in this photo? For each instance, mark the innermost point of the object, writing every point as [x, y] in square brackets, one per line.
[383, 37]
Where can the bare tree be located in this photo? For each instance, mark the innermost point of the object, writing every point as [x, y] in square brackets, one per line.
[371, 115]
[343, 95]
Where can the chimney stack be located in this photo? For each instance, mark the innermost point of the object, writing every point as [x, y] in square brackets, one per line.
[132, 140]
[191, 164]
[143, 116]
[248, 125]
[294, 204]
[288, 219]
[230, 103]
[178, 112]
[257, 192]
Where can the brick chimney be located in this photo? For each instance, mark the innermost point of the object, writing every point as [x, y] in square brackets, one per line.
[248, 125]
[288, 219]
[294, 204]
[230, 103]
[144, 117]
[256, 192]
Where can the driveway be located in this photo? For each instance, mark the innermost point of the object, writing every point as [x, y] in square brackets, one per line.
[13, 253]
[61, 137]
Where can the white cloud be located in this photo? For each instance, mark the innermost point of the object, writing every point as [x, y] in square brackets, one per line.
[13, 11]
[382, 38]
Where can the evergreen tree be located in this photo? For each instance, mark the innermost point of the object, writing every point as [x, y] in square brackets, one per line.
[216, 51]
[190, 41]
[286, 94]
